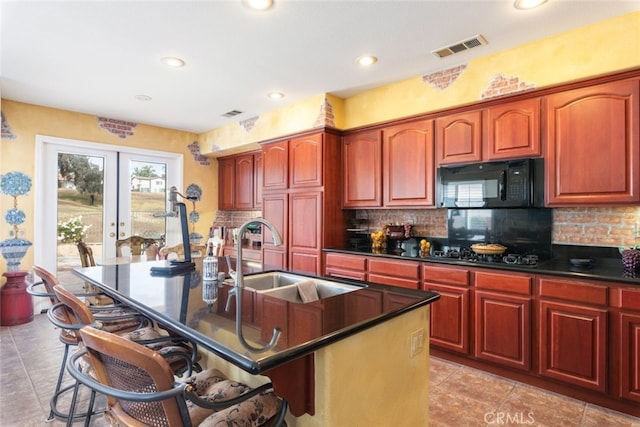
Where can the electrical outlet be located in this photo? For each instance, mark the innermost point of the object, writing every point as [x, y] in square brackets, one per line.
[417, 342]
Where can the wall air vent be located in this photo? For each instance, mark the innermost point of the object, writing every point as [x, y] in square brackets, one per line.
[474, 41]
[231, 113]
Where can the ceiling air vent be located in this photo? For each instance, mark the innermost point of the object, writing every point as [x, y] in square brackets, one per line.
[475, 41]
[231, 113]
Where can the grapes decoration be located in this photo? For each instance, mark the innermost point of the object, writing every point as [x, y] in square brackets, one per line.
[631, 259]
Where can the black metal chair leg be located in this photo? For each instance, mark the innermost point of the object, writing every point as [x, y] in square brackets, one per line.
[59, 383]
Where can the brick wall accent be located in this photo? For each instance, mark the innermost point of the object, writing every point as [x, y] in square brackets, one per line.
[606, 226]
[444, 78]
[501, 85]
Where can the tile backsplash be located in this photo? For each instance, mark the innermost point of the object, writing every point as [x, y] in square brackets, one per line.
[605, 226]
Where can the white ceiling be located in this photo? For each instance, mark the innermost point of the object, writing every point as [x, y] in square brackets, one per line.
[96, 56]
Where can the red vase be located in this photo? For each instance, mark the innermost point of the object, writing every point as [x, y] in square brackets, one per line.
[16, 306]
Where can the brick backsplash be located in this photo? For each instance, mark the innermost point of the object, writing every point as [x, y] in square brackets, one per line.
[606, 226]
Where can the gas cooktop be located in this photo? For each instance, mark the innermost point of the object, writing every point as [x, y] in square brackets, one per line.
[465, 254]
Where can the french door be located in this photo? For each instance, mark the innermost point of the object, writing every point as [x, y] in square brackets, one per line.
[110, 191]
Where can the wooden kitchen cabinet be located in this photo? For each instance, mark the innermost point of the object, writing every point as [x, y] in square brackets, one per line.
[573, 332]
[449, 325]
[306, 161]
[244, 179]
[275, 166]
[362, 160]
[512, 130]
[257, 181]
[237, 188]
[502, 326]
[344, 266]
[459, 138]
[305, 228]
[593, 145]
[275, 209]
[301, 189]
[386, 271]
[226, 183]
[626, 342]
[408, 169]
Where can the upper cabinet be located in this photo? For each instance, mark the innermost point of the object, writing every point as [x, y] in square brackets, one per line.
[362, 157]
[237, 189]
[459, 138]
[275, 161]
[305, 161]
[392, 168]
[505, 131]
[593, 145]
[408, 172]
[512, 130]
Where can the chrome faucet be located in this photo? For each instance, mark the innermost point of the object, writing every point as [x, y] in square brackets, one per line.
[238, 279]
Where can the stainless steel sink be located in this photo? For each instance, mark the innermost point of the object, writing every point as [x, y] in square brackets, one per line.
[325, 289]
[271, 280]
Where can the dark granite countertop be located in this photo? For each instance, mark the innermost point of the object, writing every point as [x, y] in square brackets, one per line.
[603, 268]
[179, 303]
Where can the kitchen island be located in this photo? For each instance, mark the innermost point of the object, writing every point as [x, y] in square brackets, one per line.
[342, 360]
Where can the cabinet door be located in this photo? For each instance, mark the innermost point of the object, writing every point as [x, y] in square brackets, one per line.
[275, 166]
[226, 183]
[305, 228]
[593, 141]
[257, 181]
[408, 167]
[244, 182]
[449, 328]
[362, 162]
[503, 329]
[630, 356]
[275, 209]
[305, 161]
[512, 130]
[573, 344]
[459, 138]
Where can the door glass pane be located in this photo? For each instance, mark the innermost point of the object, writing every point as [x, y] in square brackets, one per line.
[80, 203]
[148, 199]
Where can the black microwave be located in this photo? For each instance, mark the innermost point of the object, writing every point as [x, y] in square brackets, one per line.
[501, 184]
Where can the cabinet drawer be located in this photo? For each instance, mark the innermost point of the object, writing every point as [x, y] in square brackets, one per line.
[515, 283]
[400, 269]
[351, 262]
[392, 280]
[577, 291]
[447, 275]
[626, 298]
[345, 273]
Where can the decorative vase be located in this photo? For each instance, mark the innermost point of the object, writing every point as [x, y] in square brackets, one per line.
[13, 250]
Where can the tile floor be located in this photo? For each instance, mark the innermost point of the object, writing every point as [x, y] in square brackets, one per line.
[30, 356]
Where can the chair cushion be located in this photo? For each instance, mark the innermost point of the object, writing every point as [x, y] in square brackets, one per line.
[250, 413]
[216, 392]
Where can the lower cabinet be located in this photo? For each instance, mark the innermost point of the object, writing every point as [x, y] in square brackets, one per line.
[502, 322]
[386, 271]
[449, 327]
[573, 341]
[627, 342]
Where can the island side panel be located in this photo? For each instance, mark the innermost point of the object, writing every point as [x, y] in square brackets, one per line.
[372, 379]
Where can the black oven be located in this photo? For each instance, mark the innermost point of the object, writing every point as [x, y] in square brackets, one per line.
[502, 184]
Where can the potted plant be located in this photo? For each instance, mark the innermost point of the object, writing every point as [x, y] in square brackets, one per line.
[14, 248]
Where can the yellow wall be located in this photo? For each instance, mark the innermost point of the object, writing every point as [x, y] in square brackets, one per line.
[604, 47]
[26, 121]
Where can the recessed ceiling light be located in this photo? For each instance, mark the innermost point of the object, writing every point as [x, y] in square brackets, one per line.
[258, 4]
[173, 61]
[528, 4]
[275, 95]
[143, 98]
[366, 60]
